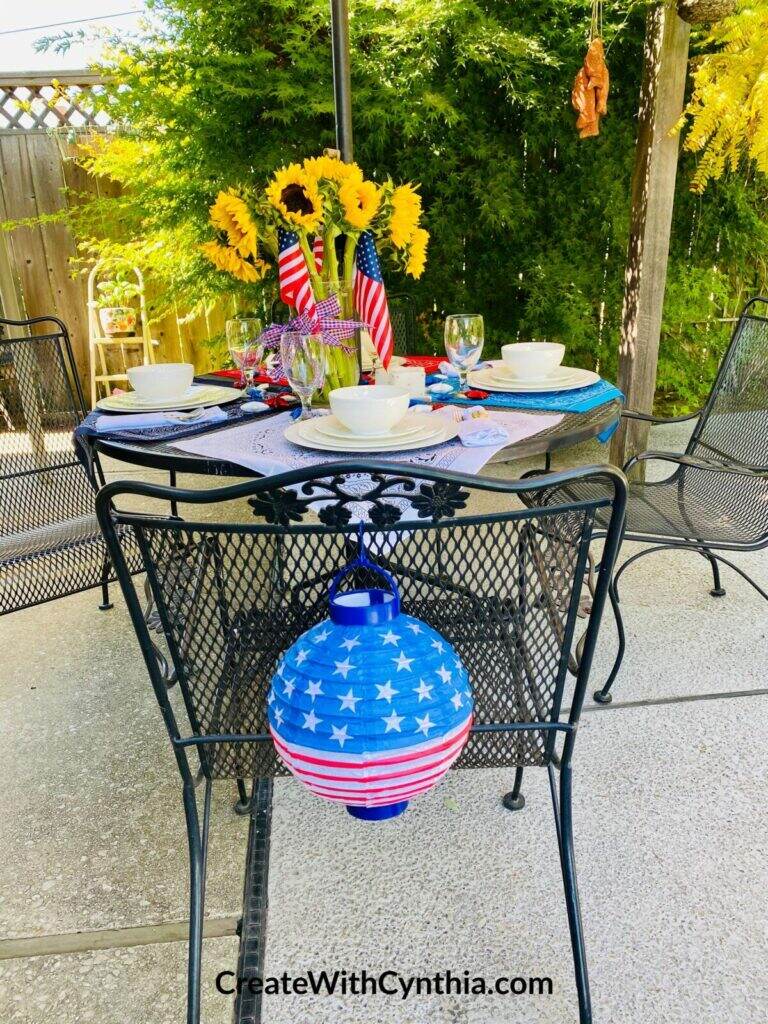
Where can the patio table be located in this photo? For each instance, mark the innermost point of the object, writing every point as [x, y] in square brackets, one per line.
[573, 429]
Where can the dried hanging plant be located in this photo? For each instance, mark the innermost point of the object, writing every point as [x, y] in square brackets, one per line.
[590, 88]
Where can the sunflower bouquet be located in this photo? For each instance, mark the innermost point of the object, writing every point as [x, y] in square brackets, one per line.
[317, 223]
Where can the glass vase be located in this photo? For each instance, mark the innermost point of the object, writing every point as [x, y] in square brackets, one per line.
[342, 358]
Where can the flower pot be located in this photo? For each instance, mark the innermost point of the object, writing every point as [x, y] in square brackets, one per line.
[117, 320]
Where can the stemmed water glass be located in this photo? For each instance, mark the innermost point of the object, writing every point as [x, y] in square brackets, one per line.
[245, 349]
[303, 360]
[464, 342]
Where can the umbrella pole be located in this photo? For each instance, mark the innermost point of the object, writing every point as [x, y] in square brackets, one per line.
[342, 87]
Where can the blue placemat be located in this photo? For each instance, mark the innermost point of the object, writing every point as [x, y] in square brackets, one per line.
[580, 400]
[86, 432]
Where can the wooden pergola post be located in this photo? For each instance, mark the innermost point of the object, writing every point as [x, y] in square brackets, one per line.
[653, 193]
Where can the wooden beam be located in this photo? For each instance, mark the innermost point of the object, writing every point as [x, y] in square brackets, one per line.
[653, 192]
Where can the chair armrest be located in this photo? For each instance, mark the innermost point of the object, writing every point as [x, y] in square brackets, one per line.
[631, 414]
[713, 465]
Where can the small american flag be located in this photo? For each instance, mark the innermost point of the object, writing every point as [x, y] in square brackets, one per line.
[371, 298]
[295, 285]
[318, 251]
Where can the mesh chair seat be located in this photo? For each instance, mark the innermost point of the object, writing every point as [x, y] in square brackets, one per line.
[691, 504]
[47, 539]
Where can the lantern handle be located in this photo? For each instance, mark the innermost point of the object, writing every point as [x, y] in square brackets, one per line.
[362, 561]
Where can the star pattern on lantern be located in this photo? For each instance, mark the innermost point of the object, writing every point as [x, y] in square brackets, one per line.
[425, 724]
[301, 656]
[424, 691]
[444, 674]
[403, 663]
[311, 721]
[314, 690]
[390, 638]
[343, 668]
[341, 735]
[386, 692]
[350, 643]
[348, 701]
[393, 721]
[288, 687]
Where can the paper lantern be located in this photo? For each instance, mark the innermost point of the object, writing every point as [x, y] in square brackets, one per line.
[370, 707]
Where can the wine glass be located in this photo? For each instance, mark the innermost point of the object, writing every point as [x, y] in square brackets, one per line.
[303, 359]
[245, 349]
[464, 342]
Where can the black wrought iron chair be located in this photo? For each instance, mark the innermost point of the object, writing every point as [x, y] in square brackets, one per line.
[402, 315]
[503, 588]
[716, 497]
[50, 542]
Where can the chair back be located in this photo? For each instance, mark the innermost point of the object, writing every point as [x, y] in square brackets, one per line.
[45, 493]
[734, 422]
[402, 316]
[502, 586]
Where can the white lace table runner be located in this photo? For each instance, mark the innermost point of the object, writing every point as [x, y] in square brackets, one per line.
[260, 446]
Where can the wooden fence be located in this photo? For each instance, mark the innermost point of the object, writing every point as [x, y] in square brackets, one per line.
[36, 275]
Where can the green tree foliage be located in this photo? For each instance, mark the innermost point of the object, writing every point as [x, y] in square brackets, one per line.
[472, 99]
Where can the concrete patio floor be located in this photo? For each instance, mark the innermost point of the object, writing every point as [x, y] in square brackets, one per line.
[670, 788]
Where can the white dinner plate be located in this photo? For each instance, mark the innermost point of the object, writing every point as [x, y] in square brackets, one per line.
[488, 380]
[311, 439]
[331, 426]
[197, 396]
[502, 373]
[430, 428]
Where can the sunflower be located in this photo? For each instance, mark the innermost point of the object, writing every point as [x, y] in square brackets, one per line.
[228, 259]
[330, 168]
[359, 200]
[294, 194]
[406, 212]
[417, 257]
[231, 215]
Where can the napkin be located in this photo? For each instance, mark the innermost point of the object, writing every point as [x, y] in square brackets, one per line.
[482, 433]
[146, 420]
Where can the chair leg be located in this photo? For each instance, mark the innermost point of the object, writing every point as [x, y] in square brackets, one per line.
[106, 604]
[514, 800]
[564, 825]
[243, 805]
[717, 588]
[605, 696]
[197, 851]
[743, 575]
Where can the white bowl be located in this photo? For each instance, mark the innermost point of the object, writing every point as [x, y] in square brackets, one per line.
[162, 381]
[531, 360]
[370, 409]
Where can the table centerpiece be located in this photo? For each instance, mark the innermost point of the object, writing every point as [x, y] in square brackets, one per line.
[321, 225]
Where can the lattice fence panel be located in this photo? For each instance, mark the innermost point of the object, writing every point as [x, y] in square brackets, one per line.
[36, 104]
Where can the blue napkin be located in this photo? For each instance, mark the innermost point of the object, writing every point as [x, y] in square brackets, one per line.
[579, 400]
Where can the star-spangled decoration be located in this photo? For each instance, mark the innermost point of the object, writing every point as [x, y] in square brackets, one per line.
[340, 735]
[348, 702]
[425, 724]
[393, 721]
[348, 728]
[314, 690]
[424, 691]
[386, 692]
[343, 668]
[311, 721]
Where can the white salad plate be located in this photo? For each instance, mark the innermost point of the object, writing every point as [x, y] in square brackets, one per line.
[197, 396]
[565, 379]
[334, 428]
[304, 434]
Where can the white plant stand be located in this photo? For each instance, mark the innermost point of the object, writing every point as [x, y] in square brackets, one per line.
[99, 344]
